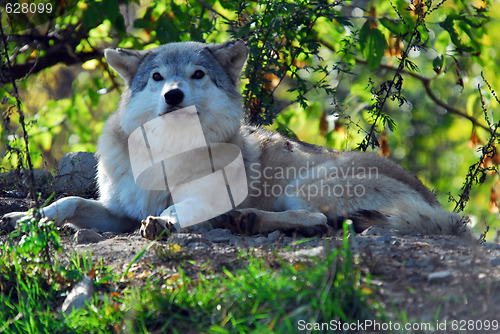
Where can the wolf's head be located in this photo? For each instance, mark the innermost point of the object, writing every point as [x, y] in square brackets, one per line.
[178, 75]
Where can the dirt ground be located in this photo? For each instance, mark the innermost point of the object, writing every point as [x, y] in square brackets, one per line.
[429, 278]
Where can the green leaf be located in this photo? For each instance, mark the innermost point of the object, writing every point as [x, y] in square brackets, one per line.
[411, 65]
[442, 41]
[119, 24]
[142, 24]
[111, 9]
[244, 31]
[438, 63]
[286, 131]
[449, 25]
[166, 30]
[92, 15]
[397, 28]
[363, 34]
[423, 34]
[373, 45]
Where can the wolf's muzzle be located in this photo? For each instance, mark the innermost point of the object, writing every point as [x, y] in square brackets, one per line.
[174, 97]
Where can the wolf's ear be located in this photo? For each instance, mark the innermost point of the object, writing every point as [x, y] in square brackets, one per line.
[124, 62]
[232, 56]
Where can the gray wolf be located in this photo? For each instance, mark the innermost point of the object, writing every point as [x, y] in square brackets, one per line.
[292, 185]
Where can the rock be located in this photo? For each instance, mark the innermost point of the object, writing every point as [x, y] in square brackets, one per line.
[76, 173]
[439, 277]
[385, 239]
[12, 204]
[109, 235]
[81, 292]
[491, 245]
[43, 178]
[381, 231]
[273, 236]
[257, 241]
[16, 181]
[311, 252]
[200, 228]
[219, 235]
[495, 261]
[199, 246]
[190, 240]
[86, 236]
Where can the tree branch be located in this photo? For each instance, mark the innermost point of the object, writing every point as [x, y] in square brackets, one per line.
[203, 4]
[426, 82]
[62, 54]
[59, 47]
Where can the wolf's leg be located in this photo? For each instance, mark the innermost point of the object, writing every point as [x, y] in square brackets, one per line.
[82, 213]
[246, 221]
[254, 221]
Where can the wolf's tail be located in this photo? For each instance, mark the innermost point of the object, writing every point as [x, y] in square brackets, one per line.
[420, 217]
[410, 216]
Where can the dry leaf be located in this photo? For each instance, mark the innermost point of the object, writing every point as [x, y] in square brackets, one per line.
[474, 140]
[271, 80]
[385, 150]
[323, 124]
[493, 203]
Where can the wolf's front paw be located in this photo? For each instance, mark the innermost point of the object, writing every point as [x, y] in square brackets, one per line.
[161, 228]
[9, 221]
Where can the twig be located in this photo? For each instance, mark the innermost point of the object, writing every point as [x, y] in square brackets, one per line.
[451, 109]
[31, 176]
[477, 172]
[425, 82]
[203, 4]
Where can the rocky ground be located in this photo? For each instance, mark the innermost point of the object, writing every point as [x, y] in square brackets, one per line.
[428, 278]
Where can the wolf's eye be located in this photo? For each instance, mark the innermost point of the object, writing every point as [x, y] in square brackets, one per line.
[157, 76]
[198, 74]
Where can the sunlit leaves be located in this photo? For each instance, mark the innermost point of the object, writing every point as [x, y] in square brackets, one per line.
[95, 12]
[373, 44]
[281, 36]
[394, 26]
[460, 28]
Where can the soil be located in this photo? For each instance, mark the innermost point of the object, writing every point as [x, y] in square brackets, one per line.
[427, 278]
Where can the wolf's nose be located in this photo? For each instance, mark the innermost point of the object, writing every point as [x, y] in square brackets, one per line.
[174, 97]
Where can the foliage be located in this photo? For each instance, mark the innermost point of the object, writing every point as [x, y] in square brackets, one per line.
[255, 298]
[30, 277]
[403, 76]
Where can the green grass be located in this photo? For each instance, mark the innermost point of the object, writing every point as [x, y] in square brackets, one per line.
[257, 298]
